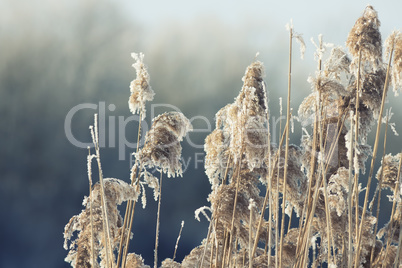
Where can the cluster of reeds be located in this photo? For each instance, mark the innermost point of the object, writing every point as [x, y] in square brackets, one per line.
[257, 185]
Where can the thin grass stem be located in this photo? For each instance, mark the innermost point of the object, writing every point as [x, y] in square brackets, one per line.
[285, 173]
[396, 191]
[379, 190]
[266, 197]
[350, 197]
[89, 161]
[177, 241]
[94, 133]
[377, 138]
[158, 223]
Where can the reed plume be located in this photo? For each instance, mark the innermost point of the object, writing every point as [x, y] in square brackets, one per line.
[140, 89]
[79, 255]
[257, 184]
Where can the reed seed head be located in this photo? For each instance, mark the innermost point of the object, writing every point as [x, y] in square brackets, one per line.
[116, 192]
[337, 63]
[252, 99]
[135, 261]
[365, 36]
[389, 171]
[216, 158]
[394, 42]
[140, 89]
[162, 147]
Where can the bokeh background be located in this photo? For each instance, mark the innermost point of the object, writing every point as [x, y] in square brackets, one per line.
[55, 55]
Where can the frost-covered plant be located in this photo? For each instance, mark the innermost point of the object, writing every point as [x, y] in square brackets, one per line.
[140, 89]
[90, 221]
[256, 184]
[162, 147]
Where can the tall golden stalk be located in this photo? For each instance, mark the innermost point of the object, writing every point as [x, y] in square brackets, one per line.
[109, 251]
[396, 190]
[158, 223]
[285, 173]
[89, 161]
[130, 208]
[379, 189]
[377, 138]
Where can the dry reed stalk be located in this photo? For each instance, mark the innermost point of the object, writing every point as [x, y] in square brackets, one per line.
[206, 244]
[268, 245]
[254, 248]
[225, 248]
[141, 92]
[290, 220]
[309, 215]
[313, 158]
[177, 241]
[308, 200]
[158, 223]
[396, 190]
[124, 227]
[230, 235]
[356, 177]
[217, 248]
[286, 146]
[309, 221]
[162, 150]
[252, 206]
[267, 196]
[95, 140]
[277, 191]
[379, 188]
[130, 209]
[212, 219]
[325, 169]
[399, 239]
[211, 258]
[350, 249]
[377, 137]
[127, 223]
[316, 129]
[277, 220]
[324, 173]
[331, 152]
[89, 168]
[91, 223]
